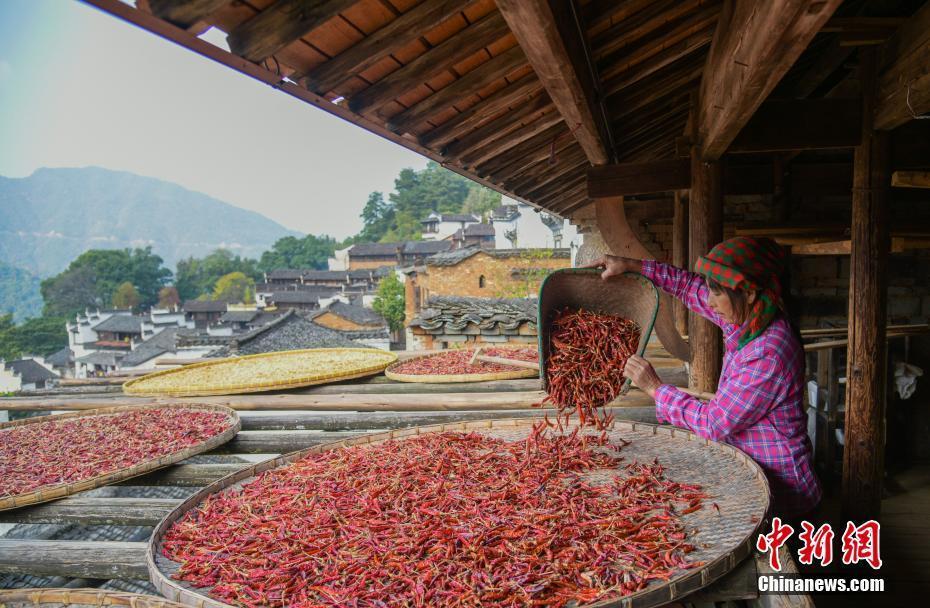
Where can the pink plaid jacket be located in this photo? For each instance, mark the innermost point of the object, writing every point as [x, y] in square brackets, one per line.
[758, 407]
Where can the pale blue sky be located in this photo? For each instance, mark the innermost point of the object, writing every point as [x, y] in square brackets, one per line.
[79, 87]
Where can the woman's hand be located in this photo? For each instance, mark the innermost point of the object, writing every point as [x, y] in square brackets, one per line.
[643, 375]
[615, 265]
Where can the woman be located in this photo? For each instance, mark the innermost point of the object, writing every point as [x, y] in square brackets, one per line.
[758, 405]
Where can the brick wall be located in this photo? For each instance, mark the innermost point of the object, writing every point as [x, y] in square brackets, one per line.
[483, 275]
[333, 321]
[367, 263]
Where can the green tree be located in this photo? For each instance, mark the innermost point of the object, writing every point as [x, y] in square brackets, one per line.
[126, 296]
[235, 288]
[94, 276]
[197, 277]
[38, 336]
[310, 251]
[389, 301]
[377, 218]
[481, 201]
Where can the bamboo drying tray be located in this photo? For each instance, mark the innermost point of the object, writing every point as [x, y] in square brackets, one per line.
[630, 295]
[55, 598]
[308, 367]
[54, 492]
[516, 374]
[723, 538]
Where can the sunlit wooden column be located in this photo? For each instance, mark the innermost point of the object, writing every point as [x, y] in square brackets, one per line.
[864, 456]
[705, 229]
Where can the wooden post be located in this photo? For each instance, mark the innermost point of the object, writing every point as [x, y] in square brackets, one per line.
[705, 229]
[863, 460]
[680, 253]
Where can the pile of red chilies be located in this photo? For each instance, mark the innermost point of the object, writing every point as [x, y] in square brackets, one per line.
[74, 449]
[456, 362]
[445, 519]
[587, 354]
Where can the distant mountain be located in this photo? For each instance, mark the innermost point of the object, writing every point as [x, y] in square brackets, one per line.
[19, 293]
[52, 216]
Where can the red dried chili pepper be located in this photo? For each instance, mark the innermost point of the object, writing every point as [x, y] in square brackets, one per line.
[73, 449]
[444, 519]
[457, 362]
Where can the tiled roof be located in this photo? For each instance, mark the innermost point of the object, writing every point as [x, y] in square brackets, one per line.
[375, 249]
[451, 258]
[285, 273]
[505, 212]
[205, 306]
[61, 358]
[457, 217]
[356, 314]
[289, 332]
[123, 324]
[426, 247]
[101, 358]
[163, 342]
[294, 297]
[239, 316]
[30, 371]
[452, 314]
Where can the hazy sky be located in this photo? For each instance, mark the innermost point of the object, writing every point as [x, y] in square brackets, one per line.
[79, 87]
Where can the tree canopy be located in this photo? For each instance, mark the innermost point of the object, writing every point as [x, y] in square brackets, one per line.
[93, 278]
[234, 288]
[198, 277]
[310, 251]
[40, 336]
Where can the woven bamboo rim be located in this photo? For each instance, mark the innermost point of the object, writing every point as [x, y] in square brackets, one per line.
[136, 386]
[677, 587]
[516, 374]
[81, 597]
[61, 490]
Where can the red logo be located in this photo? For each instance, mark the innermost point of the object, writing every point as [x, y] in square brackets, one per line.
[773, 541]
[861, 544]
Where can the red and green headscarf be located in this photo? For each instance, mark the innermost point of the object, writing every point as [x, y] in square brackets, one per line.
[746, 263]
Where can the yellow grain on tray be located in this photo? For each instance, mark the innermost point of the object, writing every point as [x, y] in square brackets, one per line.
[264, 372]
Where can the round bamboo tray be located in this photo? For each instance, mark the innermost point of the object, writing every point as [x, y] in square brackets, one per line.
[193, 380]
[55, 598]
[723, 538]
[54, 492]
[516, 374]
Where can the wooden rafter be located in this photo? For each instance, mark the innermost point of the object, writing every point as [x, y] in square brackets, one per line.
[601, 14]
[501, 126]
[556, 53]
[828, 123]
[903, 89]
[437, 59]
[492, 107]
[658, 15]
[910, 179]
[378, 45]
[281, 24]
[497, 67]
[672, 82]
[545, 171]
[529, 152]
[185, 13]
[755, 44]
[512, 139]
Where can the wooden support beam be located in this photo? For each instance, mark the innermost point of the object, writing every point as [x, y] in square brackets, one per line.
[185, 13]
[379, 44]
[863, 459]
[489, 71]
[680, 253]
[639, 178]
[74, 559]
[911, 179]
[513, 95]
[281, 24]
[546, 32]
[754, 46]
[810, 124]
[94, 512]
[443, 56]
[705, 222]
[903, 88]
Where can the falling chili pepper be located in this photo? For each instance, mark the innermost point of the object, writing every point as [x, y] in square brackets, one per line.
[584, 372]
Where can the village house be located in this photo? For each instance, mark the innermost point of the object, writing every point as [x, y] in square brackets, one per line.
[474, 235]
[25, 374]
[489, 273]
[357, 323]
[204, 312]
[517, 224]
[441, 226]
[451, 321]
[392, 255]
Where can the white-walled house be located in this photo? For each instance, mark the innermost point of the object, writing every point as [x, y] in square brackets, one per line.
[440, 226]
[518, 225]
